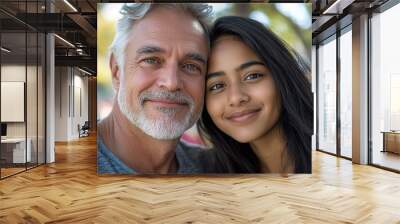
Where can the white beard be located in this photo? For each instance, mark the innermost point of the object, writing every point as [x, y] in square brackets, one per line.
[164, 127]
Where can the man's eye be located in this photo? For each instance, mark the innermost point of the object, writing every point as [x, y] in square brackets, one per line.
[152, 61]
[216, 87]
[192, 67]
[254, 76]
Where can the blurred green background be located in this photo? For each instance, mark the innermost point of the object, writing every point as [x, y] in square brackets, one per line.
[290, 21]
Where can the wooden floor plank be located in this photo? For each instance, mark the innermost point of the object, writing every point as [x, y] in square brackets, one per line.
[70, 191]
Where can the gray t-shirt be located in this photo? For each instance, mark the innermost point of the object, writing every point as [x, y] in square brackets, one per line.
[188, 157]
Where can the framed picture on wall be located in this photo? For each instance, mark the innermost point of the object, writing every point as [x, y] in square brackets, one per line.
[12, 101]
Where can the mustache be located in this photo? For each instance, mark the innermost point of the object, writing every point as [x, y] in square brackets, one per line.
[178, 96]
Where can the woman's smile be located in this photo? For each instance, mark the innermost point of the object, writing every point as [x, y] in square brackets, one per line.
[243, 116]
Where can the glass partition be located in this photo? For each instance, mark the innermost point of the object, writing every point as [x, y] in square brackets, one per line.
[22, 90]
[41, 110]
[31, 100]
[14, 151]
[327, 96]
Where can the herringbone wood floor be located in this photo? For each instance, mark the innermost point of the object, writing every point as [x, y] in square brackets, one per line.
[70, 191]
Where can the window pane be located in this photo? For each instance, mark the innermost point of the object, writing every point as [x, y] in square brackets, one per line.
[327, 97]
[345, 94]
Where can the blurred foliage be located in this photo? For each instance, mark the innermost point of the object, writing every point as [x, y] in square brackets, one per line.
[105, 35]
[299, 38]
[282, 25]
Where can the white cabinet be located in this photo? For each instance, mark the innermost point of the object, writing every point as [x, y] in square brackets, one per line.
[18, 149]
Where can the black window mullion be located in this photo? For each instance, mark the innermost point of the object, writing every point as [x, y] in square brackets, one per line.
[317, 96]
[26, 86]
[0, 97]
[369, 96]
[338, 76]
[37, 90]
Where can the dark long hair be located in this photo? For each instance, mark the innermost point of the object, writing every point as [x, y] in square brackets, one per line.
[289, 73]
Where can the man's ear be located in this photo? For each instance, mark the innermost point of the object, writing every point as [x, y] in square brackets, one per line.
[115, 72]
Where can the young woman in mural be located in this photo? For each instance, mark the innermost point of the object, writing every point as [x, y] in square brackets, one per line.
[258, 103]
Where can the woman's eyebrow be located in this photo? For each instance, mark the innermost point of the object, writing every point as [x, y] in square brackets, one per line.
[214, 74]
[241, 67]
[248, 64]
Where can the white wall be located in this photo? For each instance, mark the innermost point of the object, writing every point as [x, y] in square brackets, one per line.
[61, 103]
[80, 109]
[71, 94]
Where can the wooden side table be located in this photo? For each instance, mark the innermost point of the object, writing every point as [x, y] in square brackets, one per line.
[391, 141]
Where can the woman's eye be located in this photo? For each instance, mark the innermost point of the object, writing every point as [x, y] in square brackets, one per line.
[253, 76]
[216, 87]
[192, 67]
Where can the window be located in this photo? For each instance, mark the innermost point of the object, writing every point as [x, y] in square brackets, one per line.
[385, 89]
[327, 96]
[346, 93]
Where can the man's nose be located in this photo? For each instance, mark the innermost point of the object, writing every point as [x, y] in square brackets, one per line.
[169, 78]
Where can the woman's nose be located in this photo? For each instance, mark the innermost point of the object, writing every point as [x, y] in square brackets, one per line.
[237, 96]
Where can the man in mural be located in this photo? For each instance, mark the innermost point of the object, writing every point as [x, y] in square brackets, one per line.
[158, 63]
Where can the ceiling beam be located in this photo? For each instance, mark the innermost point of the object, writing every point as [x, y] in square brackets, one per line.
[84, 24]
[82, 61]
[337, 7]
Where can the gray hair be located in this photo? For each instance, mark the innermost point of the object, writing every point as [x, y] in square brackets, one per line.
[135, 11]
